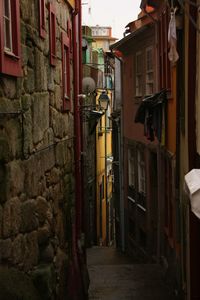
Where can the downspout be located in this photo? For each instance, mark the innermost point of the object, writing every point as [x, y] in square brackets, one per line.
[75, 283]
[77, 125]
[83, 223]
[121, 164]
[121, 170]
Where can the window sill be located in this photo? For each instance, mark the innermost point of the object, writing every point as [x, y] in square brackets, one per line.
[11, 55]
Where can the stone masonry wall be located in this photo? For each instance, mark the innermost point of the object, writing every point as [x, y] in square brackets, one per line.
[36, 166]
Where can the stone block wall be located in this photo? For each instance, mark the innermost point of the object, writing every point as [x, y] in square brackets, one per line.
[36, 165]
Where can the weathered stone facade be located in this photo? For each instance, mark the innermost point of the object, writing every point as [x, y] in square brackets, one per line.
[36, 165]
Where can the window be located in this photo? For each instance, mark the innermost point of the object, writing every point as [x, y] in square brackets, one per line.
[52, 33]
[10, 61]
[138, 69]
[66, 72]
[42, 18]
[7, 27]
[141, 173]
[131, 168]
[69, 33]
[141, 201]
[149, 71]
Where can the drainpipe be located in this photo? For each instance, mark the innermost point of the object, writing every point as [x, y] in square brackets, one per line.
[121, 164]
[75, 283]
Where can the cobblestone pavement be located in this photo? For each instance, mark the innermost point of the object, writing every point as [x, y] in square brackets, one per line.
[113, 276]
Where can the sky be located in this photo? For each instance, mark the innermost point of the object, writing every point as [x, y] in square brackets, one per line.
[114, 13]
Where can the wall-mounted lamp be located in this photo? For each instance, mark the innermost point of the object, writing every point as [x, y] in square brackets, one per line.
[104, 100]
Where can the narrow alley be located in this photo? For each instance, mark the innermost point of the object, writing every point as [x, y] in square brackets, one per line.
[115, 276]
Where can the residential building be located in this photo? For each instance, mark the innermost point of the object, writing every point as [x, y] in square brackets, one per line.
[98, 81]
[102, 37]
[40, 157]
[145, 118]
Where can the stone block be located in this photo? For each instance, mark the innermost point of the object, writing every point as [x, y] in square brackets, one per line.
[26, 102]
[50, 74]
[42, 207]
[11, 217]
[5, 250]
[40, 116]
[14, 284]
[57, 73]
[18, 250]
[24, 55]
[44, 235]
[27, 10]
[40, 71]
[33, 174]
[45, 280]
[14, 132]
[8, 105]
[27, 57]
[23, 32]
[29, 216]
[60, 228]
[61, 260]
[31, 254]
[58, 49]
[47, 254]
[29, 81]
[4, 149]
[15, 173]
[55, 174]
[58, 98]
[47, 159]
[55, 123]
[62, 268]
[28, 136]
[1, 221]
[56, 194]
[48, 137]
[9, 87]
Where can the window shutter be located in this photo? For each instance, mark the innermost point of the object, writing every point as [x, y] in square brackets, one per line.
[42, 18]
[69, 33]
[52, 33]
[10, 59]
[66, 72]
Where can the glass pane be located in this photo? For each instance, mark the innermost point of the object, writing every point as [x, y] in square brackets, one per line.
[7, 26]
[7, 34]
[7, 8]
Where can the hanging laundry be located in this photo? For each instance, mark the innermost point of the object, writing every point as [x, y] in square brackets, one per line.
[172, 39]
[151, 113]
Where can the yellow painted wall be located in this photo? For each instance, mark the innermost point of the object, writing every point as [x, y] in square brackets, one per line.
[100, 158]
[72, 3]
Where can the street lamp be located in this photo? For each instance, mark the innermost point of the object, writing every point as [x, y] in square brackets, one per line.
[103, 103]
[104, 100]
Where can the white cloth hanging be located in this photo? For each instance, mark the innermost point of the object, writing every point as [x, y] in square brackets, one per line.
[172, 39]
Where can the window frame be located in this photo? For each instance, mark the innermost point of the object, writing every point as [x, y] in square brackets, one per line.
[66, 83]
[52, 33]
[141, 172]
[42, 17]
[10, 61]
[69, 33]
[131, 168]
[138, 82]
[8, 19]
[149, 71]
